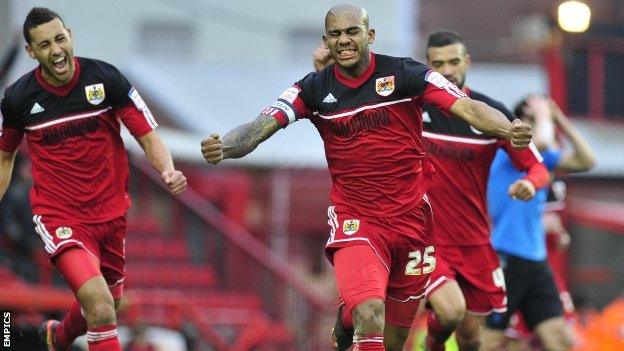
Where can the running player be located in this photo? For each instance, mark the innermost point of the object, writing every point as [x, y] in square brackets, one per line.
[367, 108]
[518, 231]
[468, 283]
[69, 109]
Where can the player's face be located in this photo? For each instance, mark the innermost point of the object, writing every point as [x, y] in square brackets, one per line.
[451, 61]
[348, 39]
[52, 45]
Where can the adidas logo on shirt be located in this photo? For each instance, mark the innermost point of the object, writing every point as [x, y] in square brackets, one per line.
[36, 108]
[329, 99]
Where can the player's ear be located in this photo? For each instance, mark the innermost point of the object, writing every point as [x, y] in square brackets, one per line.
[325, 41]
[29, 50]
[371, 36]
[468, 60]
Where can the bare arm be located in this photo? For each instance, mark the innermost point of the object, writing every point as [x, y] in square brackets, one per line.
[160, 158]
[156, 152]
[582, 158]
[492, 122]
[239, 141]
[6, 169]
[245, 138]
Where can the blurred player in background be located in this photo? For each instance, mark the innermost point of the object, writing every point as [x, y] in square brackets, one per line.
[367, 108]
[69, 109]
[518, 230]
[468, 282]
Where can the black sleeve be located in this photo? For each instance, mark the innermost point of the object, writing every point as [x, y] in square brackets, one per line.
[414, 74]
[7, 114]
[118, 86]
[307, 85]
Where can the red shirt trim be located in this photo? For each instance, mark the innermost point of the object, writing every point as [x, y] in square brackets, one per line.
[62, 90]
[356, 82]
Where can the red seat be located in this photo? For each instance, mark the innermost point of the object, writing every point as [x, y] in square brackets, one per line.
[179, 276]
[156, 248]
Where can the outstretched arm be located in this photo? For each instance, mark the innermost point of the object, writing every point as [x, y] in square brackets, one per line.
[240, 141]
[7, 159]
[492, 122]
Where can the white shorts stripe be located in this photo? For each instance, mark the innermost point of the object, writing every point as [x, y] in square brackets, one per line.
[45, 236]
[49, 249]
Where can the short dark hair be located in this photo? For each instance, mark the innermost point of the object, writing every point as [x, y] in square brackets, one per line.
[519, 108]
[36, 17]
[443, 38]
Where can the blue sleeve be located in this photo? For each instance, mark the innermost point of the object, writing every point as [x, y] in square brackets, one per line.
[551, 158]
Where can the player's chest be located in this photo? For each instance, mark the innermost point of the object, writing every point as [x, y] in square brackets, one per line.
[334, 97]
[85, 100]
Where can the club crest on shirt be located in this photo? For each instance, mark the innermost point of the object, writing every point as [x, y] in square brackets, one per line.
[95, 93]
[384, 86]
[63, 232]
[350, 226]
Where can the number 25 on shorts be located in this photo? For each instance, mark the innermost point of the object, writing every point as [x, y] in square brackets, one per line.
[426, 258]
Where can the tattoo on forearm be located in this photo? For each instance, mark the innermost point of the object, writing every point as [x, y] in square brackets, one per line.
[245, 138]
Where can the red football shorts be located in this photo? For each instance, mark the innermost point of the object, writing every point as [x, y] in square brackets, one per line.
[105, 241]
[477, 272]
[394, 265]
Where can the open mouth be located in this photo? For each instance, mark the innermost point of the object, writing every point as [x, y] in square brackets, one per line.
[60, 65]
[346, 54]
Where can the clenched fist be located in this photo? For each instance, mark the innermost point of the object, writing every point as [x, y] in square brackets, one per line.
[522, 189]
[212, 149]
[175, 180]
[520, 134]
[322, 58]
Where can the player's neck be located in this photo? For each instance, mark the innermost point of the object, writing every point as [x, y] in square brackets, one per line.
[357, 70]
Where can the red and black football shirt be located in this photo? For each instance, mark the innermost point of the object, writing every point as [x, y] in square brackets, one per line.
[79, 163]
[462, 157]
[371, 128]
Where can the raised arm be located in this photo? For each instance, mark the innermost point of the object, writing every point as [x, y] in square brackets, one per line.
[492, 122]
[7, 159]
[582, 157]
[544, 127]
[239, 141]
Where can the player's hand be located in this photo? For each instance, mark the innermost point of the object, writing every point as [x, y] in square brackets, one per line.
[175, 180]
[321, 57]
[520, 134]
[522, 189]
[538, 106]
[212, 149]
